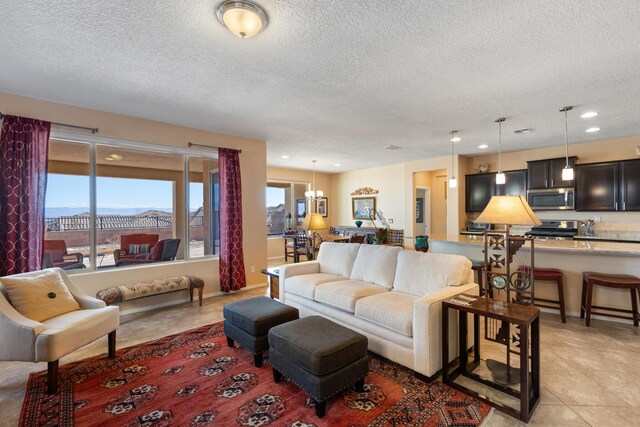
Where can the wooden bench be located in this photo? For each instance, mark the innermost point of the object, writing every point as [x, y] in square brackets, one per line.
[118, 294]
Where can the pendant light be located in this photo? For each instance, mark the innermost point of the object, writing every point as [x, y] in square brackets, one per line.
[453, 182]
[567, 172]
[500, 178]
[313, 194]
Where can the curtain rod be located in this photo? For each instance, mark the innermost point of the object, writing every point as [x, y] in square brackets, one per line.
[92, 130]
[191, 144]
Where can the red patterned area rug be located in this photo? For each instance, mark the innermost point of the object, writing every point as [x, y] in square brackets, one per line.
[194, 379]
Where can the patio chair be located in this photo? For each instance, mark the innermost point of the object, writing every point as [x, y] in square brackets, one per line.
[164, 250]
[56, 255]
[134, 246]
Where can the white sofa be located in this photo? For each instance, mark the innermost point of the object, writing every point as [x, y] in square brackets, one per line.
[390, 295]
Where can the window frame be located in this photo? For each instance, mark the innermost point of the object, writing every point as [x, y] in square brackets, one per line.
[94, 141]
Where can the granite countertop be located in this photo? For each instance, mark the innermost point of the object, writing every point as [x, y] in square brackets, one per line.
[574, 246]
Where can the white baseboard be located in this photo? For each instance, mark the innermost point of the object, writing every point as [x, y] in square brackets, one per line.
[182, 300]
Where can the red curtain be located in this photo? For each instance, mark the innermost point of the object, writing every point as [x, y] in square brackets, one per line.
[232, 274]
[24, 146]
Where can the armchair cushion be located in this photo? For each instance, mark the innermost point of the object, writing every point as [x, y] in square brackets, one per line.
[40, 297]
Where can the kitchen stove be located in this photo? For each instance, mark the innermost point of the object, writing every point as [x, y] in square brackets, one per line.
[554, 230]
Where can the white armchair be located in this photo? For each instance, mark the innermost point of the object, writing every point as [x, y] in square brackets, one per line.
[49, 340]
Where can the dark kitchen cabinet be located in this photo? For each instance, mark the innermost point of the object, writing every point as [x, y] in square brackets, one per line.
[548, 173]
[482, 186]
[479, 190]
[608, 186]
[515, 184]
[630, 185]
[597, 186]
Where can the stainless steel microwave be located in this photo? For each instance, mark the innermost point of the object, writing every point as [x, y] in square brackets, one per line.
[552, 199]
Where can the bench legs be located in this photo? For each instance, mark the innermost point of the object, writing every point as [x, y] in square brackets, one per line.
[321, 408]
[200, 290]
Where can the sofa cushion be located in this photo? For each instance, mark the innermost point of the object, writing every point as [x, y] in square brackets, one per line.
[40, 297]
[305, 284]
[376, 264]
[393, 310]
[344, 294]
[337, 258]
[421, 273]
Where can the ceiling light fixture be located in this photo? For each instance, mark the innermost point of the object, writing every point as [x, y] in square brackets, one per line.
[453, 182]
[591, 130]
[589, 114]
[337, 165]
[243, 18]
[500, 177]
[391, 147]
[483, 146]
[285, 157]
[567, 172]
[313, 194]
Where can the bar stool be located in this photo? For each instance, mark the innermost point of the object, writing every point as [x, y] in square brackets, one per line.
[619, 281]
[478, 267]
[548, 275]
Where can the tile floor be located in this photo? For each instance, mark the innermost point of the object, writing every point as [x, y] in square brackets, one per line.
[590, 376]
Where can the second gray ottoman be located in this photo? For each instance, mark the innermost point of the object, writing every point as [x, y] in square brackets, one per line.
[320, 356]
[248, 322]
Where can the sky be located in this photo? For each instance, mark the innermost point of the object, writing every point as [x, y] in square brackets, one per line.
[72, 191]
[275, 196]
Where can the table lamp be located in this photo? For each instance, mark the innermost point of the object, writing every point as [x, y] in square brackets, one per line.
[507, 210]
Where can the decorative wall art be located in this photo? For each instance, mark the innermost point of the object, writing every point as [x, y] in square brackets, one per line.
[362, 207]
[322, 206]
[364, 191]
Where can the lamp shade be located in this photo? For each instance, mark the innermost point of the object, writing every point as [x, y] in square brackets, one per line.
[509, 210]
[313, 222]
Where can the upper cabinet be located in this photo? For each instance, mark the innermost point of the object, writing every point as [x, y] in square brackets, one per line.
[479, 189]
[608, 186]
[482, 186]
[548, 173]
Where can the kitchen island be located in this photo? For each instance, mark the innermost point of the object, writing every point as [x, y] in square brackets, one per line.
[571, 256]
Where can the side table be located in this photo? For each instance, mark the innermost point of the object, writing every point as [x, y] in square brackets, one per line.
[273, 277]
[526, 317]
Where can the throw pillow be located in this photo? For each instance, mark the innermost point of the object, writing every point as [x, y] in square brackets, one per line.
[156, 251]
[40, 297]
[138, 249]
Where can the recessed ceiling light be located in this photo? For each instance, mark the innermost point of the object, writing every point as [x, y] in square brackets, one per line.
[591, 130]
[285, 157]
[337, 165]
[456, 139]
[589, 114]
[391, 147]
[483, 146]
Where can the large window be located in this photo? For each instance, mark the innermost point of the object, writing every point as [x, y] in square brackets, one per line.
[286, 206]
[146, 208]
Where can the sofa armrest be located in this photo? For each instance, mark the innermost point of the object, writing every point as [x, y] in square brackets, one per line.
[290, 270]
[427, 328]
[17, 333]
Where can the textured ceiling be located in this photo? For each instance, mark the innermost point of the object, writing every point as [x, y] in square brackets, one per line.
[336, 81]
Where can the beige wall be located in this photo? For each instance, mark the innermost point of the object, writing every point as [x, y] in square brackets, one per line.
[396, 195]
[590, 152]
[252, 163]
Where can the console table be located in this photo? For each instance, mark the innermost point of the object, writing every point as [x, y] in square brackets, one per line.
[526, 317]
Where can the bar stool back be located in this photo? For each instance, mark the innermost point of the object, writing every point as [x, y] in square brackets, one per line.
[619, 281]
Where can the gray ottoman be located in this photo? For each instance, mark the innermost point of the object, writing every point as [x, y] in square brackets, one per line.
[320, 356]
[248, 322]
